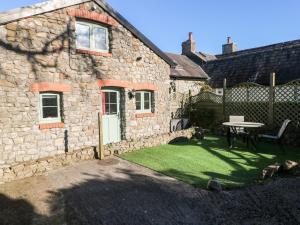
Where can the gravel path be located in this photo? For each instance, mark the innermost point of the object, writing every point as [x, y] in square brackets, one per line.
[117, 192]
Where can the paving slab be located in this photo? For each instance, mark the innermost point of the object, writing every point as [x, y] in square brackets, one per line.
[118, 192]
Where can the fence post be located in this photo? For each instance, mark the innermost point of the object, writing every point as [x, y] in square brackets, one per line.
[271, 100]
[190, 104]
[224, 98]
[100, 130]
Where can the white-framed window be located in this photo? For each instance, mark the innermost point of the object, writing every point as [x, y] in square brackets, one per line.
[50, 108]
[143, 101]
[91, 36]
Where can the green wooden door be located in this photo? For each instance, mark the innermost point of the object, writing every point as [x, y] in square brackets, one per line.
[111, 116]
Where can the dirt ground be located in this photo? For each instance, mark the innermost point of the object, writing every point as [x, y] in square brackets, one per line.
[117, 192]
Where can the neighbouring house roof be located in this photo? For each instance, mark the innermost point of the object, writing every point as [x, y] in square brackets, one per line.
[186, 68]
[51, 5]
[256, 65]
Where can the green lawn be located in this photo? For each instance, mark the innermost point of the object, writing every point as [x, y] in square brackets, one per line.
[195, 162]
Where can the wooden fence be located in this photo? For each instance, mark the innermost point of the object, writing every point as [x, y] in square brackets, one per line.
[206, 109]
[270, 105]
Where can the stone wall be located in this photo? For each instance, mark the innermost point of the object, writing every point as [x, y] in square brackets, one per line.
[41, 50]
[146, 142]
[44, 165]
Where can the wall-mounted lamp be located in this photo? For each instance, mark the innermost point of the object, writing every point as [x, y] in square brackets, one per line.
[131, 94]
[93, 8]
[172, 87]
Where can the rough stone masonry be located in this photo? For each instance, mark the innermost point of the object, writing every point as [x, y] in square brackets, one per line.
[38, 53]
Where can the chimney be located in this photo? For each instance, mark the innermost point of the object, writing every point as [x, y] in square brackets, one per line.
[189, 46]
[229, 47]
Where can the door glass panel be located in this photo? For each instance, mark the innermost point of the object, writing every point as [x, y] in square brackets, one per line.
[113, 98]
[107, 109]
[111, 103]
[107, 95]
[113, 109]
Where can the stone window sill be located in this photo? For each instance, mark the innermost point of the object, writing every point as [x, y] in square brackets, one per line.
[46, 126]
[144, 115]
[95, 53]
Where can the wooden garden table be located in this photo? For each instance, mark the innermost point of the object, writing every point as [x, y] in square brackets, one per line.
[251, 131]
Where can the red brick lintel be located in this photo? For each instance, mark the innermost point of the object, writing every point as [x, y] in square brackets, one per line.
[46, 86]
[51, 125]
[98, 17]
[127, 84]
[143, 115]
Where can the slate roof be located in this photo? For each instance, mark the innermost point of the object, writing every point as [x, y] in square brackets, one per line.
[186, 68]
[51, 5]
[255, 65]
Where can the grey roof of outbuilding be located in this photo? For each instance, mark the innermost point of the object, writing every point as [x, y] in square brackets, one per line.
[51, 5]
[186, 68]
[256, 65]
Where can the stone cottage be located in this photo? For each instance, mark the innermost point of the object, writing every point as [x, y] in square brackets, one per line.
[187, 77]
[64, 61]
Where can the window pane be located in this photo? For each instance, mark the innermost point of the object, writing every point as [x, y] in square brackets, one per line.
[147, 96]
[100, 38]
[138, 106]
[138, 101]
[50, 100]
[146, 105]
[83, 35]
[138, 96]
[50, 112]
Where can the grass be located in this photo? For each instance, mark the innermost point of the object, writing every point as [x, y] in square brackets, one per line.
[195, 162]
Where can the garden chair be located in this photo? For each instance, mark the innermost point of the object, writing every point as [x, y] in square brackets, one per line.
[279, 136]
[237, 119]
[239, 131]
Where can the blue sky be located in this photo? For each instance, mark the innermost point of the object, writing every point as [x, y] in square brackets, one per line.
[251, 23]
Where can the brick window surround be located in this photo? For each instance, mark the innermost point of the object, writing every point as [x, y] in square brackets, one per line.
[135, 86]
[50, 87]
[95, 53]
[94, 16]
[47, 86]
[47, 126]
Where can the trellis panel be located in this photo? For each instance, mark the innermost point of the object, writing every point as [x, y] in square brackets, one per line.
[249, 100]
[287, 103]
